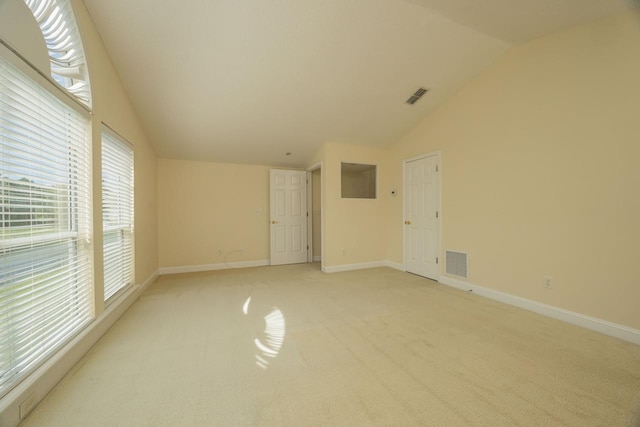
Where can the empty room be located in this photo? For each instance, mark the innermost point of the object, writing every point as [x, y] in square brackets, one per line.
[340, 212]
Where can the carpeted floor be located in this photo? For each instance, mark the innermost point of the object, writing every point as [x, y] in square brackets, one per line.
[369, 347]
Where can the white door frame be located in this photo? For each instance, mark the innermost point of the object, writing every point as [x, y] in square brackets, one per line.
[404, 206]
[289, 256]
[310, 218]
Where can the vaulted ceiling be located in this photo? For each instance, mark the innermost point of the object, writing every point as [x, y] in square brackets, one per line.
[247, 81]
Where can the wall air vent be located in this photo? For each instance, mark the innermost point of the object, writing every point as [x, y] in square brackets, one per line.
[416, 96]
[457, 264]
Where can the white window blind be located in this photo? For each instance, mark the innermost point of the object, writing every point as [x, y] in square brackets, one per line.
[66, 54]
[117, 212]
[46, 289]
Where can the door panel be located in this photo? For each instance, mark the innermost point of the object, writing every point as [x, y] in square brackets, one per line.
[279, 202]
[422, 223]
[288, 216]
[296, 238]
[280, 238]
[296, 204]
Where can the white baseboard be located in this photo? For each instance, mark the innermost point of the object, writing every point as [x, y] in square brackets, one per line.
[43, 379]
[211, 267]
[605, 327]
[362, 266]
[395, 265]
[264, 262]
[149, 281]
[349, 267]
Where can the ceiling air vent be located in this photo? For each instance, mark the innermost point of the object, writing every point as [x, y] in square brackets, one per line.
[416, 96]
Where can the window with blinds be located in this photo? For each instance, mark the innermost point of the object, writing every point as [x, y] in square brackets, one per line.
[62, 39]
[46, 286]
[117, 212]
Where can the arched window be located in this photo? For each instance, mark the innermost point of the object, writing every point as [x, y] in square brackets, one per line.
[61, 36]
[46, 275]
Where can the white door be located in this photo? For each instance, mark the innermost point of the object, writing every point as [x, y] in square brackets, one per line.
[421, 221]
[288, 216]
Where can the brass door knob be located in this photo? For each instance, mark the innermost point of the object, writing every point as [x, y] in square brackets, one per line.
[408, 222]
[274, 222]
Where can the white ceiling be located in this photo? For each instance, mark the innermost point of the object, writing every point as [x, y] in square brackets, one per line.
[247, 81]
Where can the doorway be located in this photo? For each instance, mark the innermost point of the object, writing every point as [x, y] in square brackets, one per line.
[316, 215]
[288, 223]
[422, 215]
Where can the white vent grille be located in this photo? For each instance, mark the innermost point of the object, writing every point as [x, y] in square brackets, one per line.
[457, 264]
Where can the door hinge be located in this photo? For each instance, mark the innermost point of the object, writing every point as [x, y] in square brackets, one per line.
[307, 214]
[437, 214]
[307, 247]
[436, 260]
[436, 168]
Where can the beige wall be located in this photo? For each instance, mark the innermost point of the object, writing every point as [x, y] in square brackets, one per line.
[111, 106]
[539, 171]
[356, 226]
[20, 30]
[537, 178]
[205, 206]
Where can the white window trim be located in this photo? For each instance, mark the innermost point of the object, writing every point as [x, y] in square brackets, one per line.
[119, 257]
[33, 303]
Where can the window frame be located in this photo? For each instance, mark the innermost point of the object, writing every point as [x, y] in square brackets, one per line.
[38, 314]
[117, 260]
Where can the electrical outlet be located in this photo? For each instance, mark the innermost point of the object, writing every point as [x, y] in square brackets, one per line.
[548, 283]
[27, 405]
[241, 249]
[220, 251]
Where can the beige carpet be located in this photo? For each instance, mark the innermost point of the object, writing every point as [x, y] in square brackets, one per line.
[371, 347]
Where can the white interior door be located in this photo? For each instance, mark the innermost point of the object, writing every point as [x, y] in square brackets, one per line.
[422, 222]
[288, 216]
